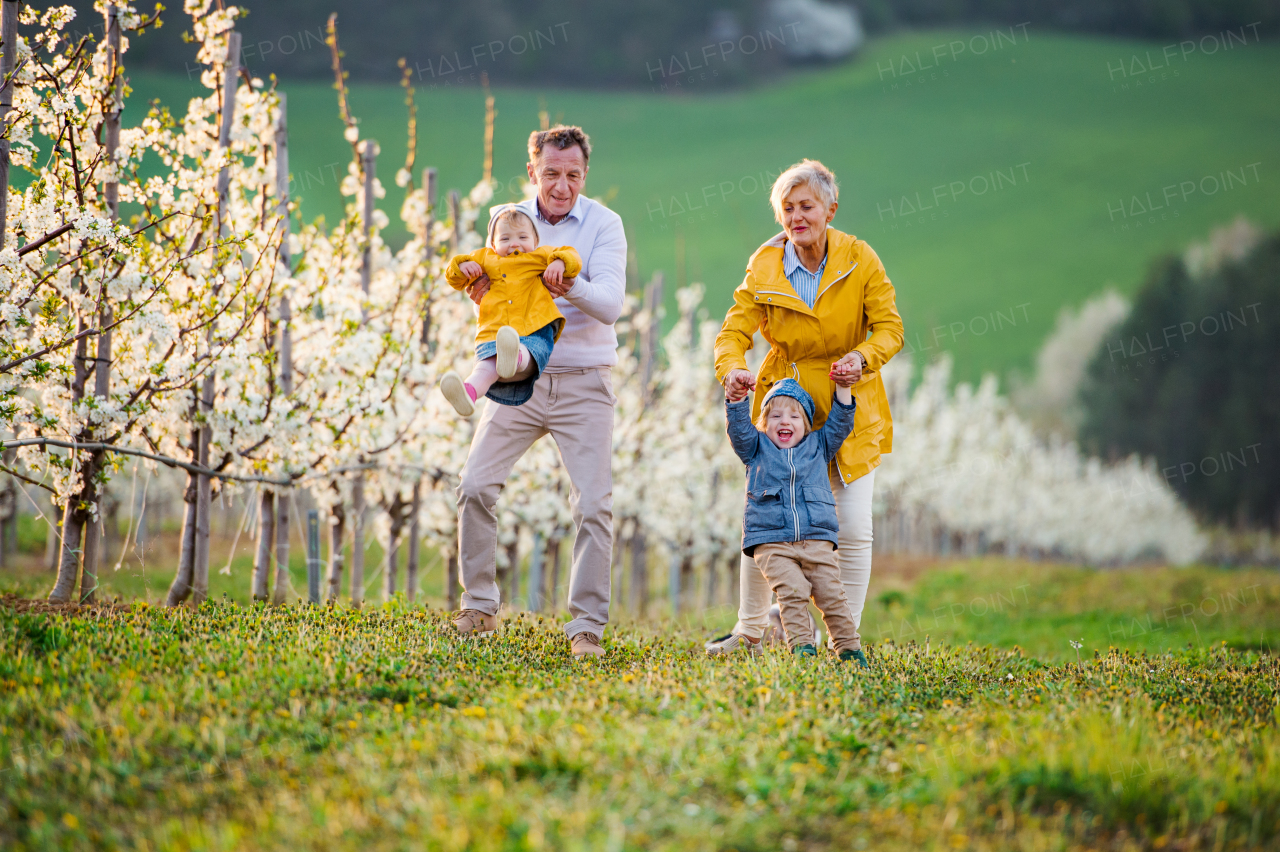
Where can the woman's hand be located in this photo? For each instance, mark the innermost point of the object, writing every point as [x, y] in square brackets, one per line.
[471, 269]
[737, 383]
[848, 370]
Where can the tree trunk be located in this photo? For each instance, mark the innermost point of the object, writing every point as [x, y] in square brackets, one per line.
[73, 521]
[283, 504]
[535, 573]
[313, 556]
[266, 535]
[204, 502]
[392, 560]
[639, 572]
[415, 545]
[357, 541]
[552, 597]
[76, 513]
[451, 582]
[687, 584]
[180, 589]
[513, 571]
[337, 532]
[709, 599]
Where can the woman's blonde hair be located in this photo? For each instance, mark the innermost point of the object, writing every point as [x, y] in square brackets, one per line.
[809, 173]
[790, 402]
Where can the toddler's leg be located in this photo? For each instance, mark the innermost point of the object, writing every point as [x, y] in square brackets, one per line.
[508, 348]
[463, 395]
[482, 377]
[781, 566]
[822, 569]
[524, 365]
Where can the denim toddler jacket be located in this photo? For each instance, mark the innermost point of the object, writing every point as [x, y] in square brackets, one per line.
[788, 491]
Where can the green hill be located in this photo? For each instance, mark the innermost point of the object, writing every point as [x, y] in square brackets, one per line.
[1037, 157]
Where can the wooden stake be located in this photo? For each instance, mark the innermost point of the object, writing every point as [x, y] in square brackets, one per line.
[204, 485]
[411, 562]
[266, 534]
[337, 538]
[368, 163]
[283, 497]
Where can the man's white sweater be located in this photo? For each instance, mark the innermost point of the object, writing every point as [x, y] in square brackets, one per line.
[593, 304]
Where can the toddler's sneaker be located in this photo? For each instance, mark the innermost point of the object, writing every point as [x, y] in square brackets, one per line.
[805, 651]
[855, 654]
[460, 394]
[508, 351]
[731, 644]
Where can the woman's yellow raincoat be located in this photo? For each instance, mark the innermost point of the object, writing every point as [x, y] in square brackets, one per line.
[855, 309]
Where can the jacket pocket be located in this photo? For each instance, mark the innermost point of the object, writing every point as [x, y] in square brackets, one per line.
[822, 507]
[870, 399]
[764, 510]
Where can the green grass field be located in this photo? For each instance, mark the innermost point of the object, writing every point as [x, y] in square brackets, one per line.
[1038, 607]
[1049, 113]
[240, 728]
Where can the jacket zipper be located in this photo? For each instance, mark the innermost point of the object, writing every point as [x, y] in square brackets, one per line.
[795, 516]
[834, 283]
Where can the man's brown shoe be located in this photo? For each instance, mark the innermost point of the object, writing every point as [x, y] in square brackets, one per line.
[473, 622]
[586, 645]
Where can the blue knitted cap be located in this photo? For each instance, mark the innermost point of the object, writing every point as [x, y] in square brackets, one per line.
[791, 388]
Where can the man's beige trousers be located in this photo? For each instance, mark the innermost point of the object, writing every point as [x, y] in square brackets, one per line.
[576, 409]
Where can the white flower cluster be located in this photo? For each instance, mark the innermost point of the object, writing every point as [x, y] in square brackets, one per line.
[965, 464]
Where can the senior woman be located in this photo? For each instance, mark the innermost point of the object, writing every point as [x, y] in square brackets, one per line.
[823, 302]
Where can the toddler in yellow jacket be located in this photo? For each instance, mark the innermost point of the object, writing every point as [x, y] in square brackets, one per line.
[519, 322]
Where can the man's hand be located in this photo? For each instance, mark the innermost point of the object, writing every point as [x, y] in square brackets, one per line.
[559, 289]
[478, 288]
[471, 269]
[737, 383]
[848, 370]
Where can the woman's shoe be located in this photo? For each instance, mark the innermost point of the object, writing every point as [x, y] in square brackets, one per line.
[508, 351]
[455, 390]
[733, 643]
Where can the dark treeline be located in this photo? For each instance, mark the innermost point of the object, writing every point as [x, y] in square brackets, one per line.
[1192, 377]
[650, 43]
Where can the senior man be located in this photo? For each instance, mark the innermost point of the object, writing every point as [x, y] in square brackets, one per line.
[572, 401]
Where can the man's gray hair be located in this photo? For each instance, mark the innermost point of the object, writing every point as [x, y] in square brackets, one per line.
[820, 179]
[561, 136]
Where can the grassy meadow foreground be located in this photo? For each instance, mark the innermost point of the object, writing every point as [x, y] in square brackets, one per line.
[236, 727]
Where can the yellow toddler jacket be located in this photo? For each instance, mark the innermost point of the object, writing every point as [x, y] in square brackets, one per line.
[516, 294]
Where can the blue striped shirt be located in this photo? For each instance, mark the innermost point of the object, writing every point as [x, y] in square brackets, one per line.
[802, 280]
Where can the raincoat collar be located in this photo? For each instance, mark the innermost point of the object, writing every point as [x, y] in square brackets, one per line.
[791, 260]
[769, 266]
